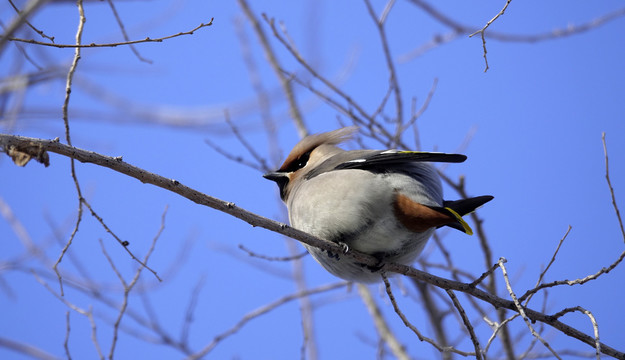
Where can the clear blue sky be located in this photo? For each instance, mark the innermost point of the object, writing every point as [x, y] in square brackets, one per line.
[536, 119]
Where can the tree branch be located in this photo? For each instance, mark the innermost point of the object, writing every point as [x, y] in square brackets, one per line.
[116, 164]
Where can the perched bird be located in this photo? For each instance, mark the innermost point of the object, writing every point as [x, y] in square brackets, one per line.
[385, 203]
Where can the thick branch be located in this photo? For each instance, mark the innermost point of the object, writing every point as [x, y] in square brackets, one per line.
[117, 164]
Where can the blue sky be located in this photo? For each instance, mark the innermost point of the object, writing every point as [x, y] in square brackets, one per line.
[535, 120]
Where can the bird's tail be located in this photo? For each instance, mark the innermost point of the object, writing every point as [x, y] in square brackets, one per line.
[458, 208]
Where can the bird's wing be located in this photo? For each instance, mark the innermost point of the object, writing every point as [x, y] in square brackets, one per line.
[381, 160]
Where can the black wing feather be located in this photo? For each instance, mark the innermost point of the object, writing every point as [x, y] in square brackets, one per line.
[386, 159]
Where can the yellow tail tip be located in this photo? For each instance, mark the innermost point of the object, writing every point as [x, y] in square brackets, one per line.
[465, 226]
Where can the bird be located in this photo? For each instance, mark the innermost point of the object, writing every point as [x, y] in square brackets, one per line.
[385, 203]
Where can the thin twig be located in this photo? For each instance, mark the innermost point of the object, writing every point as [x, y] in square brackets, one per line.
[416, 114]
[264, 100]
[521, 309]
[65, 110]
[553, 258]
[125, 34]
[408, 324]
[273, 258]
[273, 61]
[26, 349]
[129, 286]
[259, 312]
[459, 29]
[607, 178]
[603, 270]
[236, 158]
[435, 315]
[385, 332]
[40, 32]
[484, 275]
[121, 43]
[188, 317]
[250, 149]
[496, 327]
[29, 9]
[394, 83]
[593, 321]
[87, 313]
[467, 324]
[483, 30]
[309, 343]
[66, 341]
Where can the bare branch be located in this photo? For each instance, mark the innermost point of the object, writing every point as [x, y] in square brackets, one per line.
[603, 270]
[65, 109]
[607, 178]
[259, 312]
[521, 310]
[172, 185]
[40, 32]
[409, 325]
[125, 34]
[553, 258]
[385, 332]
[29, 9]
[273, 61]
[273, 258]
[593, 321]
[467, 324]
[483, 30]
[26, 349]
[394, 83]
[122, 43]
[188, 318]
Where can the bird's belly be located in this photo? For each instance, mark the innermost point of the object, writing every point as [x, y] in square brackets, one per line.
[359, 214]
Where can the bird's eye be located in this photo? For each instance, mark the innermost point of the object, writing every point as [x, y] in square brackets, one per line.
[298, 163]
[303, 160]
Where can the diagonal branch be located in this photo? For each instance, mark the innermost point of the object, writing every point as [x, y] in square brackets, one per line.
[116, 164]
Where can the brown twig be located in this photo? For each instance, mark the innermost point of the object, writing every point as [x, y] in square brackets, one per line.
[259, 312]
[87, 313]
[607, 178]
[467, 324]
[129, 286]
[593, 321]
[68, 90]
[603, 270]
[264, 99]
[553, 258]
[483, 30]
[188, 317]
[122, 43]
[273, 258]
[29, 9]
[120, 23]
[67, 332]
[459, 29]
[408, 324]
[394, 83]
[309, 344]
[435, 315]
[521, 310]
[273, 61]
[384, 331]
[250, 149]
[40, 32]
[26, 349]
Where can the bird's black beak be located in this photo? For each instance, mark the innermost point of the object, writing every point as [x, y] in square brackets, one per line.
[276, 176]
[280, 178]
